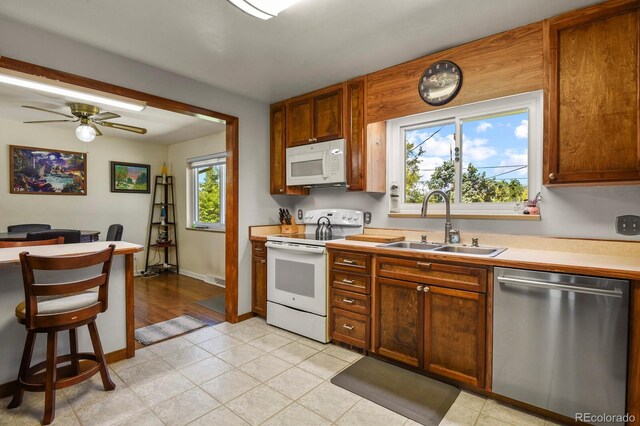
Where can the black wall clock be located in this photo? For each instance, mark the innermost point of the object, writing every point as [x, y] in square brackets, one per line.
[440, 83]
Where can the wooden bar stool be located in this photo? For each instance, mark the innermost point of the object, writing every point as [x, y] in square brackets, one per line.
[52, 307]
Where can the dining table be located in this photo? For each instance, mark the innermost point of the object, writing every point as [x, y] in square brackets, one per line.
[86, 236]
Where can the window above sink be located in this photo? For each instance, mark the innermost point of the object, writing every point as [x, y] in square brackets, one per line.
[487, 155]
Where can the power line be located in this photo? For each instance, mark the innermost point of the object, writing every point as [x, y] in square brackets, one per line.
[430, 136]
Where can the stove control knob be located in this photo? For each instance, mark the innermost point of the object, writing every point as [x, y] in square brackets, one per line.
[350, 216]
[344, 215]
[356, 216]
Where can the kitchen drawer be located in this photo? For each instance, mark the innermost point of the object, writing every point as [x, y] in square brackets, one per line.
[350, 282]
[258, 248]
[353, 302]
[425, 272]
[349, 261]
[350, 328]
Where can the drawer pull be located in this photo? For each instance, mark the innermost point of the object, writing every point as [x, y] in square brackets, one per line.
[419, 288]
[350, 301]
[423, 265]
[348, 327]
[347, 281]
[348, 261]
[426, 289]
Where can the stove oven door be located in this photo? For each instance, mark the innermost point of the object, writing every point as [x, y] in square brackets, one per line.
[297, 276]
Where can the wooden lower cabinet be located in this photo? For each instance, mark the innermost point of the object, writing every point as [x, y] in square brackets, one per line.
[399, 311]
[259, 279]
[439, 329]
[454, 339]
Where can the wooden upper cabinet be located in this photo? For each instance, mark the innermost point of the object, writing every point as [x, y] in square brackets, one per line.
[591, 83]
[354, 119]
[454, 343]
[315, 118]
[278, 133]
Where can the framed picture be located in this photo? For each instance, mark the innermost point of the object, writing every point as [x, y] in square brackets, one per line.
[130, 177]
[46, 171]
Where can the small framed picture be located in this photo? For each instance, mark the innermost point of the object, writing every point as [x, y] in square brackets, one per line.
[130, 177]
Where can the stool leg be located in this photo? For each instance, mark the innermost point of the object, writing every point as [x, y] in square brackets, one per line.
[73, 345]
[24, 367]
[50, 379]
[97, 348]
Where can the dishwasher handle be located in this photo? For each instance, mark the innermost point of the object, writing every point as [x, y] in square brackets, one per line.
[562, 287]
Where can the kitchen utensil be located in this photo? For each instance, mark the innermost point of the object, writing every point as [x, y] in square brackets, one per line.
[323, 231]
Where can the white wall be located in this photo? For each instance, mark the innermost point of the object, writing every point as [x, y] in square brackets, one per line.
[586, 212]
[201, 252]
[256, 206]
[100, 207]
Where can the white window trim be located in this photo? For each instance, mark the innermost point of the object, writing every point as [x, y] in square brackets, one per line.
[192, 184]
[533, 101]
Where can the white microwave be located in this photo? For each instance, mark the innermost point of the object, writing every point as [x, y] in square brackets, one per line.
[317, 164]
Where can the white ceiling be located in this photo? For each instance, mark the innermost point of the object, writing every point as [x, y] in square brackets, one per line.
[313, 44]
[163, 127]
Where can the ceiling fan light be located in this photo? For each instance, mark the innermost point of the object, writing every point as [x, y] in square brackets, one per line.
[263, 9]
[85, 133]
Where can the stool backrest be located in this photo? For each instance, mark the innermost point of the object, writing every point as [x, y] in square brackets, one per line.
[115, 232]
[33, 289]
[6, 244]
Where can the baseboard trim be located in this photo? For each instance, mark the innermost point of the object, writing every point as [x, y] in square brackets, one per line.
[245, 316]
[7, 389]
[202, 277]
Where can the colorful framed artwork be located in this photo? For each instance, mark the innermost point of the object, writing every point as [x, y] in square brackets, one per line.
[130, 177]
[47, 171]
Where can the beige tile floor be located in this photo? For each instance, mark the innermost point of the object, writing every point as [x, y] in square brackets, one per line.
[238, 374]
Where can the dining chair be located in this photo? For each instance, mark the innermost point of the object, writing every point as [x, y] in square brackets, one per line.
[115, 232]
[71, 236]
[7, 244]
[60, 306]
[27, 227]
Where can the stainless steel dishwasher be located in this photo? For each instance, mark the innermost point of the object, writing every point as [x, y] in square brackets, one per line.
[560, 341]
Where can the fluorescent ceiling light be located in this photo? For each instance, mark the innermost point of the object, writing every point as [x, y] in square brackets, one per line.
[71, 93]
[263, 9]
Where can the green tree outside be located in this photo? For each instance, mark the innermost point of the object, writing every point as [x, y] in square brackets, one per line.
[209, 195]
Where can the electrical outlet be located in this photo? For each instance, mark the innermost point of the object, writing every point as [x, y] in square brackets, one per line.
[300, 214]
[628, 225]
[367, 217]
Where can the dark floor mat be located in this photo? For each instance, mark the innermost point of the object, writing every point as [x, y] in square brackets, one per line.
[215, 304]
[417, 397]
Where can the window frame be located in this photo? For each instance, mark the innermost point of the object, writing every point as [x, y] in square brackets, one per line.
[193, 165]
[396, 161]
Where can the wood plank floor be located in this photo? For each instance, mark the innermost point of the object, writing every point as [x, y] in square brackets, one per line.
[170, 295]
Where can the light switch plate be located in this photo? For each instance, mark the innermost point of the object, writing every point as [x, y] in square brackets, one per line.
[628, 225]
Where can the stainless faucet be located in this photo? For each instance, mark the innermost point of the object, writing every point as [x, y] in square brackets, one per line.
[447, 221]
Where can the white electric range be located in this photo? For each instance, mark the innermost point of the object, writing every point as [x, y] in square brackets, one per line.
[297, 287]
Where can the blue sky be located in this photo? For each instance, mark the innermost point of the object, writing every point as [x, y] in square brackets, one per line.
[488, 142]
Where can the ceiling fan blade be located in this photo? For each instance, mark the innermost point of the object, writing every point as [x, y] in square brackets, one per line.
[105, 116]
[46, 110]
[119, 126]
[94, 127]
[50, 121]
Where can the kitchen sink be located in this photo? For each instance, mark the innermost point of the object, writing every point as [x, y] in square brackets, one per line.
[442, 248]
[411, 245]
[477, 251]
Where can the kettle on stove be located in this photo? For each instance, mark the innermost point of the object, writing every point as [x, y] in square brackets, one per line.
[323, 231]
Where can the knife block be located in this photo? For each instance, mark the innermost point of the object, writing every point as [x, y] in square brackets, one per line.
[289, 229]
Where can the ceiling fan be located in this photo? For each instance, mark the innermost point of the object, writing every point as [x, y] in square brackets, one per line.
[88, 116]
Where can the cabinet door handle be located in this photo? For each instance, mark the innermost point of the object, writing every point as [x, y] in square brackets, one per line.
[426, 289]
[348, 327]
[423, 265]
[347, 281]
[262, 260]
[349, 301]
[419, 288]
[281, 189]
[552, 176]
[348, 261]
